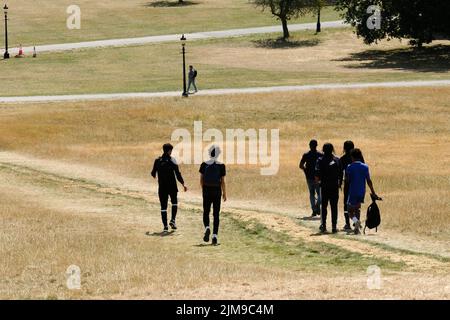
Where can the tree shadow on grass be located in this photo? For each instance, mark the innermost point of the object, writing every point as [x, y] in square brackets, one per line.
[281, 43]
[427, 59]
[170, 4]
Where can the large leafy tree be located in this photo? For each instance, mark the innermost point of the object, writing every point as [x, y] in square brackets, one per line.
[285, 10]
[422, 21]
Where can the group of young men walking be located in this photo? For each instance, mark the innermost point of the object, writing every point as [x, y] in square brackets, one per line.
[325, 174]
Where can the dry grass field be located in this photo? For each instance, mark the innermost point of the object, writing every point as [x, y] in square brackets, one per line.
[76, 190]
[336, 55]
[403, 133]
[40, 22]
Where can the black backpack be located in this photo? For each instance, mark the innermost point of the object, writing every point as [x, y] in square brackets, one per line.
[373, 218]
[195, 73]
[212, 175]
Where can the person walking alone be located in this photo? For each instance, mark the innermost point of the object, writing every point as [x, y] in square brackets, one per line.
[191, 79]
[166, 168]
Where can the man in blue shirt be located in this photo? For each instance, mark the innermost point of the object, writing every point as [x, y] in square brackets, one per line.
[357, 174]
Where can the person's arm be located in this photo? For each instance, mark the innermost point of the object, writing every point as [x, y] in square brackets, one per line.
[155, 169]
[341, 173]
[302, 163]
[202, 170]
[179, 176]
[317, 172]
[340, 176]
[370, 184]
[224, 189]
[372, 190]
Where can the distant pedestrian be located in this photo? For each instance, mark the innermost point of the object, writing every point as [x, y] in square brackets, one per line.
[345, 161]
[166, 168]
[212, 181]
[357, 174]
[192, 76]
[308, 165]
[328, 175]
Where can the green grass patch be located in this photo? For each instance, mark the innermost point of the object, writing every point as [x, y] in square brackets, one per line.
[258, 60]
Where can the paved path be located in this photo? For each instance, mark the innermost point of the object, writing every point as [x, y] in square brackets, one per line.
[174, 37]
[213, 92]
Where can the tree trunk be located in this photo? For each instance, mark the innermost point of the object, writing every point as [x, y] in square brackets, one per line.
[285, 28]
[319, 26]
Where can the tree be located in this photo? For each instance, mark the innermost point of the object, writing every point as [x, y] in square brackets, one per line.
[285, 10]
[421, 21]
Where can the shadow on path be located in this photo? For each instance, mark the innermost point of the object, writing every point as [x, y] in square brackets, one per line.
[170, 4]
[159, 234]
[281, 43]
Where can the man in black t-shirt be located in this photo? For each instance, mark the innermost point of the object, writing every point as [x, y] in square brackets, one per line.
[328, 175]
[212, 180]
[308, 165]
[167, 170]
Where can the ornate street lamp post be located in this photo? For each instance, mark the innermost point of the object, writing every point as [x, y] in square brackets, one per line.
[183, 51]
[5, 10]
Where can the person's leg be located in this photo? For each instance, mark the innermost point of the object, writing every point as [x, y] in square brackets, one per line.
[358, 213]
[206, 210]
[216, 211]
[194, 84]
[312, 196]
[334, 209]
[353, 209]
[189, 85]
[346, 215]
[174, 201]
[318, 191]
[163, 200]
[324, 199]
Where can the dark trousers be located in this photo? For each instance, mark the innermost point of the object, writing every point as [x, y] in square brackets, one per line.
[346, 216]
[164, 200]
[330, 196]
[212, 196]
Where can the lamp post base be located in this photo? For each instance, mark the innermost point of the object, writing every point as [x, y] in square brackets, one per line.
[6, 55]
[185, 94]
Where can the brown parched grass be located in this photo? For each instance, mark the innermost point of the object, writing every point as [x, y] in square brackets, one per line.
[404, 134]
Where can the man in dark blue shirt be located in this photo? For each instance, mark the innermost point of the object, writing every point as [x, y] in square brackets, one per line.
[308, 165]
[357, 174]
[167, 170]
[345, 161]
